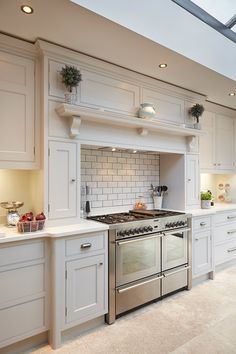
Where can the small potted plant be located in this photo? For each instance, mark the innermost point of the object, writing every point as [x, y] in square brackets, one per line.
[71, 78]
[196, 112]
[206, 198]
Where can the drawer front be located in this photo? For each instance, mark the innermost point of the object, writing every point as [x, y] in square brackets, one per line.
[91, 243]
[22, 320]
[225, 252]
[225, 233]
[21, 253]
[174, 280]
[16, 284]
[200, 224]
[228, 217]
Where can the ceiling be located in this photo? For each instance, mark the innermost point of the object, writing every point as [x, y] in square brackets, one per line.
[72, 26]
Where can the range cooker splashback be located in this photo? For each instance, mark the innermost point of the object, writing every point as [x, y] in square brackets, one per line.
[118, 178]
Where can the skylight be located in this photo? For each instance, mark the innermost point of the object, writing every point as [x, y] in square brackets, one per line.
[219, 14]
[223, 11]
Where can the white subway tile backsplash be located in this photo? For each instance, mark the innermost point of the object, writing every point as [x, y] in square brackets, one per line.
[118, 178]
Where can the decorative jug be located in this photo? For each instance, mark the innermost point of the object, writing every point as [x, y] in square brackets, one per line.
[146, 111]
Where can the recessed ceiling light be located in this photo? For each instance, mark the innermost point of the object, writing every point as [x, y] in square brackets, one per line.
[163, 65]
[134, 151]
[113, 149]
[27, 9]
[232, 94]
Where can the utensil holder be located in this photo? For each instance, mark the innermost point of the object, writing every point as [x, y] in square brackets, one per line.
[157, 200]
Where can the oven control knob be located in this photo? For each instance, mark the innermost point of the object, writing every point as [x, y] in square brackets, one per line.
[132, 231]
[145, 229]
[136, 230]
[141, 230]
[167, 225]
[150, 228]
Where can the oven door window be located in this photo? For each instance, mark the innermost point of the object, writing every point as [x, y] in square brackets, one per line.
[174, 250]
[136, 259]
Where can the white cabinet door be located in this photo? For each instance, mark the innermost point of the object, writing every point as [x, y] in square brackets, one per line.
[62, 180]
[16, 109]
[169, 109]
[86, 289]
[224, 142]
[207, 141]
[202, 253]
[192, 180]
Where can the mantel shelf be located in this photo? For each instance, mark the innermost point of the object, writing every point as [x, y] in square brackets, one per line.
[143, 126]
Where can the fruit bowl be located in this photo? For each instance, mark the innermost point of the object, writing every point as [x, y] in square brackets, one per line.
[30, 226]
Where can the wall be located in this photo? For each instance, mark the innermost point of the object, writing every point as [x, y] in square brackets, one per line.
[212, 181]
[20, 185]
[117, 178]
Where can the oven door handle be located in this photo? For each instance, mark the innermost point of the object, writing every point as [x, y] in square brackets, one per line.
[120, 291]
[136, 239]
[176, 271]
[169, 233]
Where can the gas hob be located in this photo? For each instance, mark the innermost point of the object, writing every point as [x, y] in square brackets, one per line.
[139, 222]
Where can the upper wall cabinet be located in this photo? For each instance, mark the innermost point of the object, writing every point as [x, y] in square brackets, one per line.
[169, 109]
[17, 112]
[217, 145]
[98, 90]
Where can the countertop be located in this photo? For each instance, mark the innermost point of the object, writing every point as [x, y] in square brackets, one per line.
[218, 207]
[84, 226]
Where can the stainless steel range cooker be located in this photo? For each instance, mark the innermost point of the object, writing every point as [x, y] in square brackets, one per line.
[149, 257]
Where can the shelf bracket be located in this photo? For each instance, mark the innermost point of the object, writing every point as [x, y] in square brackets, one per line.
[143, 131]
[75, 126]
[192, 143]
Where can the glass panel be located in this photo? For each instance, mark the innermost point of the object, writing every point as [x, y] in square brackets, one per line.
[174, 247]
[223, 11]
[139, 256]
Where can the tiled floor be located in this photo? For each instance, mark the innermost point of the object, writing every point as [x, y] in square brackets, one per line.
[200, 321]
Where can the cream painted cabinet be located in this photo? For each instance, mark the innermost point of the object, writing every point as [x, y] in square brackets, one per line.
[86, 277]
[85, 289]
[225, 237]
[217, 145]
[17, 111]
[23, 295]
[62, 180]
[192, 181]
[202, 246]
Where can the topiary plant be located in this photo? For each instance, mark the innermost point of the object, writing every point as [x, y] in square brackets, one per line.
[71, 77]
[196, 111]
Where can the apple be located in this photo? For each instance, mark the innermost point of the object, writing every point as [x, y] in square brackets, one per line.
[40, 216]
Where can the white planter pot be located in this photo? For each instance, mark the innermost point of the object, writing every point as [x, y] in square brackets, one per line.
[157, 202]
[205, 204]
[70, 97]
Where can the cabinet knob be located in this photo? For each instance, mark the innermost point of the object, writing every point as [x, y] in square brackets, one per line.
[196, 239]
[219, 164]
[189, 180]
[100, 263]
[73, 180]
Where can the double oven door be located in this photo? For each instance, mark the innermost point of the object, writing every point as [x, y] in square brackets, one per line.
[145, 256]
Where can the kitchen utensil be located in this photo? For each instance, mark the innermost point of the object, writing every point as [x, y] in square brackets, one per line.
[12, 213]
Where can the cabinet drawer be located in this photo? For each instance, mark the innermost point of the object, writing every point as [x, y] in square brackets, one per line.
[225, 252]
[200, 224]
[22, 320]
[16, 284]
[224, 233]
[228, 217]
[84, 245]
[21, 253]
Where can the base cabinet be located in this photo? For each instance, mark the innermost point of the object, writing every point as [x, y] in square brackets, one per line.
[85, 287]
[23, 295]
[225, 237]
[202, 246]
[80, 281]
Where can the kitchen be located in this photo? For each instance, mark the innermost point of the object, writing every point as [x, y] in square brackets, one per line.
[163, 151]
